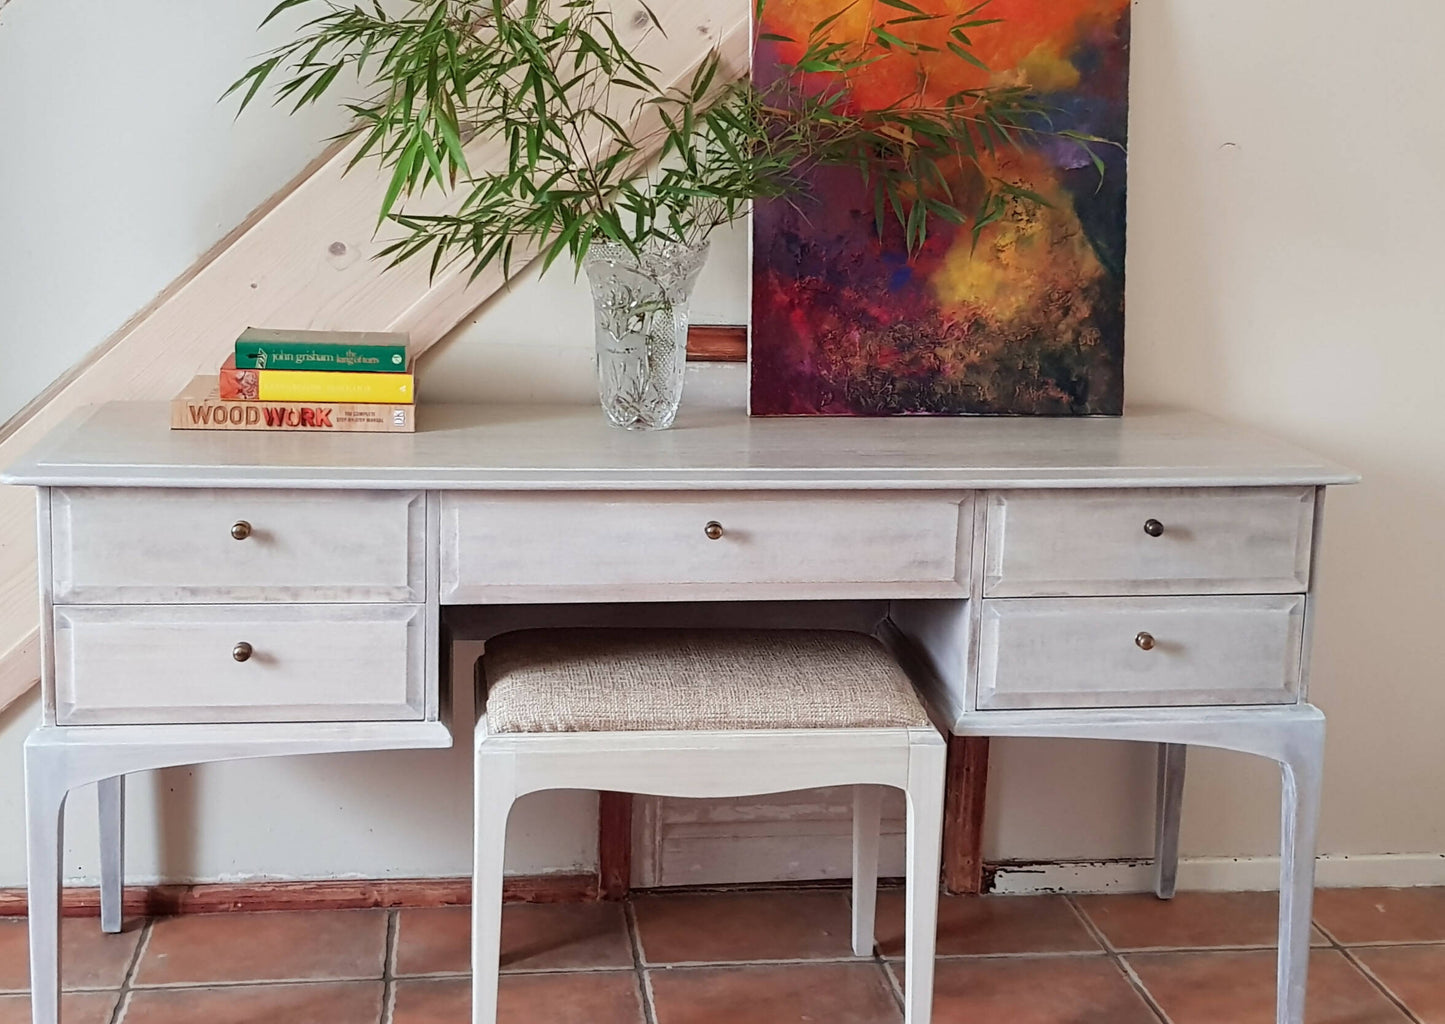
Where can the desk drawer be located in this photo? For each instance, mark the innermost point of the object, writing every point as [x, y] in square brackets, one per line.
[1140, 652]
[1244, 540]
[622, 547]
[178, 663]
[141, 545]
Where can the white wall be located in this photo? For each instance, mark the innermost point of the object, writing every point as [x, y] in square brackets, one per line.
[1286, 270]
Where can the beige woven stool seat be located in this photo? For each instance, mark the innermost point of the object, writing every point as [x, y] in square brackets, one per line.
[617, 680]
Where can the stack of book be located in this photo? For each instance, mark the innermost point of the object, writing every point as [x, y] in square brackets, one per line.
[305, 380]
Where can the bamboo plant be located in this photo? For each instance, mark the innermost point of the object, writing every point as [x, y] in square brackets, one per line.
[597, 148]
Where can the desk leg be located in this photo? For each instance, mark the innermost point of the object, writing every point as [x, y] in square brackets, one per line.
[1293, 737]
[1302, 771]
[614, 845]
[45, 793]
[867, 818]
[110, 794]
[964, 800]
[1168, 808]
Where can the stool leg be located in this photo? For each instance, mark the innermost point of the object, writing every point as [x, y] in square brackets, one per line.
[925, 841]
[867, 818]
[110, 794]
[495, 792]
[1169, 803]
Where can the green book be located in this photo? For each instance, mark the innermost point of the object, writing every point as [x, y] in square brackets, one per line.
[345, 351]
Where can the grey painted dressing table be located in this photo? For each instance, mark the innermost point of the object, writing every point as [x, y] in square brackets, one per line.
[213, 596]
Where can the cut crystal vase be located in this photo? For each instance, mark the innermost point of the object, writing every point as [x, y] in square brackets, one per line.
[641, 307]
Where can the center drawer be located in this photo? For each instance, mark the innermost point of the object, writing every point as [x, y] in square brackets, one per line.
[140, 664]
[643, 546]
[155, 545]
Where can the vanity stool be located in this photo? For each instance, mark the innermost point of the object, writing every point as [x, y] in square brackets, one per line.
[708, 713]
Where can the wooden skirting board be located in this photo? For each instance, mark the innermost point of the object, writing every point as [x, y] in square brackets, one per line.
[717, 344]
[165, 900]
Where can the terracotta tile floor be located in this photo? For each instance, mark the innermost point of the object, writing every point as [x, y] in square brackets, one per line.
[756, 958]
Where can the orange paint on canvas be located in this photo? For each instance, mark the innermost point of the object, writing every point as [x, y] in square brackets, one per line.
[1028, 317]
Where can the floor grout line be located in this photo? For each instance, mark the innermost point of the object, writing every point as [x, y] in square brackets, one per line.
[117, 1013]
[1329, 936]
[693, 965]
[515, 972]
[352, 979]
[890, 978]
[1125, 968]
[1375, 981]
[389, 966]
[644, 979]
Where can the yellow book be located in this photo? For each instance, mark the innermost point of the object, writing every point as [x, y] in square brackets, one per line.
[243, 385]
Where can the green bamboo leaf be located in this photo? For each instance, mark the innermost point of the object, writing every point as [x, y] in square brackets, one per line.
[257, 77]
[400, 175]
[279, 9]
[967, 56]
[433, 158]
[888, 40]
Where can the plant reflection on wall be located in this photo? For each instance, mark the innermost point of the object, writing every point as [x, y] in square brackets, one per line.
[626, 166]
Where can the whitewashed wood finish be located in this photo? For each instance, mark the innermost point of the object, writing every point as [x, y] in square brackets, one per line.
[1093, 543]
[58, 760]
[648, 546]
[744, 840]
[939, 635]
[1168, 816]
[867, 823]
[110, 803]
[44, 577]
[571, 448]
[713, 764]
[139, 664]
[880, 474]
[436, 655]
[1294, 737]
[1081, 652]
[123, 545]
[280, 268]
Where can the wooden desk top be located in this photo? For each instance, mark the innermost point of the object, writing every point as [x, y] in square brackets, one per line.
[522, 447]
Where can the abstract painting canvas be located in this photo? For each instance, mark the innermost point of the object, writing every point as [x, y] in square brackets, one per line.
[1018, 308]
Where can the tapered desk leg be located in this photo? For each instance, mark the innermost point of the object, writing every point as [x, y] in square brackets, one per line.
[111, 797]
[1302, 770]
[1169, 802]
[45, 793]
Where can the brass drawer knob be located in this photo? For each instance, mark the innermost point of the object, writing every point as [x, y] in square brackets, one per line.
[1154, 528]
[242, 651]
[713, 530]
[1144, 641]
[241, 530]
